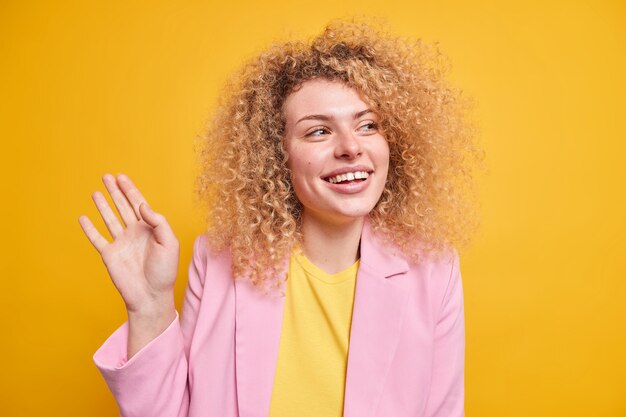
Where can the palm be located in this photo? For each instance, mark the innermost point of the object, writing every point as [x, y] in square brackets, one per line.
[137, 254]
[142, 259]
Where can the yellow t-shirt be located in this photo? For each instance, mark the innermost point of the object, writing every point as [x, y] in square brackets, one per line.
[313, 356]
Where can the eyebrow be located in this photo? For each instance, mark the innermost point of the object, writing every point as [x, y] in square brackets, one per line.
[326, 118]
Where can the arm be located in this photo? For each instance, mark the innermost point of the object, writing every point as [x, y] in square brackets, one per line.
[447, 385]
[144, 361]
[153, 382]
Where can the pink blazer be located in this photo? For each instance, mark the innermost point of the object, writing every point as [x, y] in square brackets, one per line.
[405, 358]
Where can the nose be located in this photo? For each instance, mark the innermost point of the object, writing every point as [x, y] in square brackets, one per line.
[347, 146]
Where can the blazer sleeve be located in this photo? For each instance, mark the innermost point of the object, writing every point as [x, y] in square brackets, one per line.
[447, 386]
[154, 381]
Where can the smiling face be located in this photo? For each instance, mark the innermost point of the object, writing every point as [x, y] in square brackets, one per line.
[337, 156]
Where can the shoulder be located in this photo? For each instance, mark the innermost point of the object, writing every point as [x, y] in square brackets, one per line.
[434, 274]
[200, 246]
[442, 262]
[416, 255]
[203, 248]
[207, 257]
[440, 266]
[442, 273]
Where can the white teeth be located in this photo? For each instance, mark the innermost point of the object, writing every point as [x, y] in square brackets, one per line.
[349, 176]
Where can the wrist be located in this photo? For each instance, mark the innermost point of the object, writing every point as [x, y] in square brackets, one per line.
[148, 323]
[161, 308]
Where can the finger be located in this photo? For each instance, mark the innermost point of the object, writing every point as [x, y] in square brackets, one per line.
[121, 203]
[131, 192]
[162, 231]
[110, 220]
[96, 239]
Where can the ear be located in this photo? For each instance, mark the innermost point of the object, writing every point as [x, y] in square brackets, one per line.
[284, 147]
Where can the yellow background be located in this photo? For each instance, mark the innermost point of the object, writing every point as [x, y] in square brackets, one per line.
[94, 87]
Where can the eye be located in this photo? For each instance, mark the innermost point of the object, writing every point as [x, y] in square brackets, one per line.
[317, 132]
[369, 126]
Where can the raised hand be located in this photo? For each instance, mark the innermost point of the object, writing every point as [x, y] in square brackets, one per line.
[142, 259]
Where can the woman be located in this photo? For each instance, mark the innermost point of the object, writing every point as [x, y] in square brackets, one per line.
[327, 283]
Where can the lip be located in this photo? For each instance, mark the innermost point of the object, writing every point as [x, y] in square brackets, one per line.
[345, 170]
[350, 188]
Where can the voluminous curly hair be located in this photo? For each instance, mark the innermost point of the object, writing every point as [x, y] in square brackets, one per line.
[427, 202]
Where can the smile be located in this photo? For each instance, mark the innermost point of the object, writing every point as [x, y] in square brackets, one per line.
[348, 176]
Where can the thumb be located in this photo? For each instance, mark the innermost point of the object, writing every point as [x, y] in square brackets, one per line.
[162, 231]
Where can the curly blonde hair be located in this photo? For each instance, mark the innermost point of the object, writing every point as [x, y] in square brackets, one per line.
[427, 202]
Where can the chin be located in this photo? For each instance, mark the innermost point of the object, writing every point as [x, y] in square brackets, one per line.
[355, 214]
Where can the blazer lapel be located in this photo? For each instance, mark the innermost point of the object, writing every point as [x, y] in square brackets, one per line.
[379, 305]
[258, 326]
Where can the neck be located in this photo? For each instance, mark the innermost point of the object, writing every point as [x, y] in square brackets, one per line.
[332, 247]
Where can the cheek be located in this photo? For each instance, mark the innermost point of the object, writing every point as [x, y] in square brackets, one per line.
[299, 164]
[381, 150]
[384, 160]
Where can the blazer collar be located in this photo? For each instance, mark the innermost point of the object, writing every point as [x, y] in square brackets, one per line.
[378, 311]
[380, 256]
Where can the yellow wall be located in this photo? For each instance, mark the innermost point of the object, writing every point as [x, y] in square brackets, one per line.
[94, 87]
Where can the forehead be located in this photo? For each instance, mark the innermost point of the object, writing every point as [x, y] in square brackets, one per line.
[319, 96]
